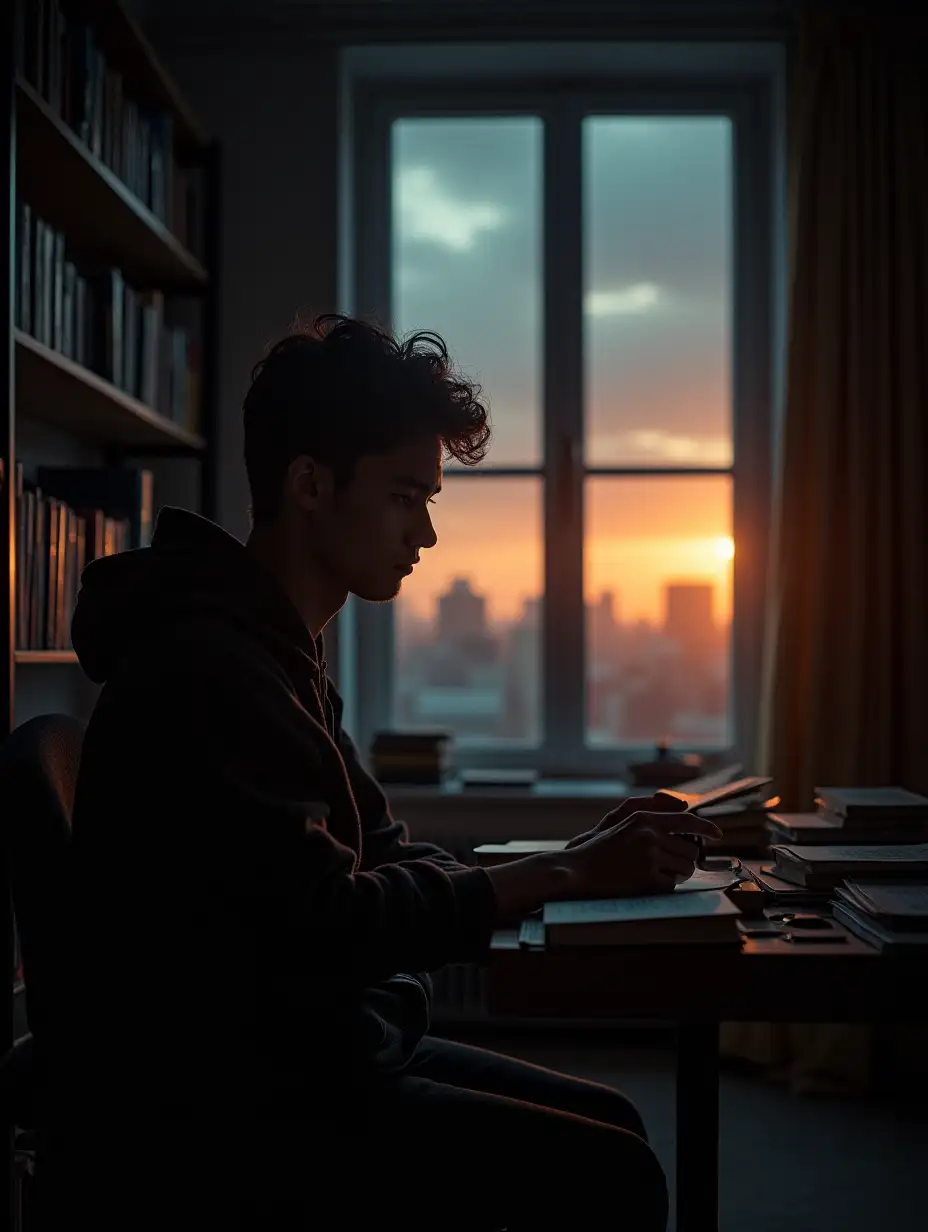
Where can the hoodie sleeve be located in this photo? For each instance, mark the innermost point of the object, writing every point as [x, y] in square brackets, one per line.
[270, 761]
[384, 840]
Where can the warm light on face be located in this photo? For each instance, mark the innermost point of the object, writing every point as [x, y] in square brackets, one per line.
[725, 548]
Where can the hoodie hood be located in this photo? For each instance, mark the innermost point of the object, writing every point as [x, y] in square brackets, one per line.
[192, 569]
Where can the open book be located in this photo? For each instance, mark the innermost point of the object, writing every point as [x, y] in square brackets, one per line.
[704, 918]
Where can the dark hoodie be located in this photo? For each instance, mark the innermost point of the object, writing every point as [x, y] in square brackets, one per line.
[240, 888]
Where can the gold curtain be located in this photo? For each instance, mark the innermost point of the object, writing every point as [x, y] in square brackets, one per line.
[847, 654]
[846, 665]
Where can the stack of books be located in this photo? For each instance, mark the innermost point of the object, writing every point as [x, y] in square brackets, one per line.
[857, 815]
[413, 758]
[890, 916]
[705, 917]
[820, 867]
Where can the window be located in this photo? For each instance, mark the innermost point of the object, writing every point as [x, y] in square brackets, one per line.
[588, 259]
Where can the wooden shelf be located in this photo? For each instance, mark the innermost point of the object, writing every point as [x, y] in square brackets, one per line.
[129, 51]
[56, 390]
[71, 189]
[35, 657]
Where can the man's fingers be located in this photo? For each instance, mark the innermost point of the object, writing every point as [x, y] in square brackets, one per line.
[669, 823]
[670, 862]
[642, 804]
[685, 848]
[661, 803]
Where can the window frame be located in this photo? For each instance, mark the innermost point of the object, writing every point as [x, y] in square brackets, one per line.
[366, 632]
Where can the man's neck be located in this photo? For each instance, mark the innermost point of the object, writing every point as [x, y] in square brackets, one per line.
[310, 592]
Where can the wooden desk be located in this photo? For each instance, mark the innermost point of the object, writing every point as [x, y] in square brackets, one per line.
[697, 989]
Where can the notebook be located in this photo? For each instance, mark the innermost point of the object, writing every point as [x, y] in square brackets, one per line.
[890, 803]
[740, 788]
[879, 935]
[895, 904]
[706, 917]
[826, 865]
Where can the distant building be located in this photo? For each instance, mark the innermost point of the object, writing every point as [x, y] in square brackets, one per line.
[462, 614]
[689, 618]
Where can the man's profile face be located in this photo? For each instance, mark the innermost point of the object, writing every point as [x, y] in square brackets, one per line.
[378, 524]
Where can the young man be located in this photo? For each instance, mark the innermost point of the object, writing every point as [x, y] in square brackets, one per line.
[260, 922]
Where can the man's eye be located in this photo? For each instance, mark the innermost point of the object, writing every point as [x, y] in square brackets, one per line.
[403, 498]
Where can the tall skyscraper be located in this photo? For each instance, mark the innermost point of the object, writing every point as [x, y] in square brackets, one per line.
[689, 618]
[462, 614]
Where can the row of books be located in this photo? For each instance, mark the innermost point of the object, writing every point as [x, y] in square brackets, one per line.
[59, 55]
[143, 344]
[66, 517]
[418, 758]
[855, 814]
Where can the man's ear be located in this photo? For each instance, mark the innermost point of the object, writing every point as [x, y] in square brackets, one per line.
[308, 482]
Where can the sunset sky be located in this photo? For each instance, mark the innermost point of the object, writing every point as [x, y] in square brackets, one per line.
[467, 263]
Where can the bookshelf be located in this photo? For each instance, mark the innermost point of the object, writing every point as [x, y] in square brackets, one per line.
[110, 330]
[111, 319]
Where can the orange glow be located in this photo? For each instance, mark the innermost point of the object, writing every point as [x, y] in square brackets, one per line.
[642, 534]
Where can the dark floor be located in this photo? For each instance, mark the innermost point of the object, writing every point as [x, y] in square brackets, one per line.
[788, 1163]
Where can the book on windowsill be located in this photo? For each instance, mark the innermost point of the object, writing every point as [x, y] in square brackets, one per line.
[823, 867]
[892, 917]
[706, 917]
[414, 758]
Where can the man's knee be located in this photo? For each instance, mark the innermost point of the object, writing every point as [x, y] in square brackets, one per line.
[611, 1107]
[649, 1185]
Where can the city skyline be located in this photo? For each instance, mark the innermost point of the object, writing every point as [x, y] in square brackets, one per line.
[467, 261]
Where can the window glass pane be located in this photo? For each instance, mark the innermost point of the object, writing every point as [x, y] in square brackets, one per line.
[657, 290]
[467, 622]
[657, 581]
[466, 259]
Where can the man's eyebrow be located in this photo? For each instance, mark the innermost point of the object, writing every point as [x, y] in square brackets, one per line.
[407, 481]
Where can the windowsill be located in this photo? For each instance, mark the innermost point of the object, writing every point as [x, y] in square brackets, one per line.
[545, 789]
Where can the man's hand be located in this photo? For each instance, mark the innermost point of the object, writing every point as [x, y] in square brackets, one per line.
[634, 804]
[641, 854]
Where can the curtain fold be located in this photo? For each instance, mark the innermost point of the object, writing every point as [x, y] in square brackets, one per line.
[846, 656]
[847, 640]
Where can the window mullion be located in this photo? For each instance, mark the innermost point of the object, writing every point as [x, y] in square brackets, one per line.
[563, 617]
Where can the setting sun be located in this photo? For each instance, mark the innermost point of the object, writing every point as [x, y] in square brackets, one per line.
[725, 548]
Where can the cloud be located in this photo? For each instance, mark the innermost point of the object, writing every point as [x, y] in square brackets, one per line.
[668, 447]
[636, 298]
[426, 212]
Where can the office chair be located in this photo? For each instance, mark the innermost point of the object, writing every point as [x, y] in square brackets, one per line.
[38, 773]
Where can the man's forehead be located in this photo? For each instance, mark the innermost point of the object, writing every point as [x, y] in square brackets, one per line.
[419, 463]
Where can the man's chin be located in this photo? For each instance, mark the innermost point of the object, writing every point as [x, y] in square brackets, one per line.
[378, 592]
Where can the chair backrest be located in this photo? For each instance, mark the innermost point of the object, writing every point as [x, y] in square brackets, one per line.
[39, 762]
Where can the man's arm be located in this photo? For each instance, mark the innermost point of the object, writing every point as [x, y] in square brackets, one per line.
[384, 840]
[261, 761]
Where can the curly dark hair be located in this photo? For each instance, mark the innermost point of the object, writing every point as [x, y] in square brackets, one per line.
[344, 388]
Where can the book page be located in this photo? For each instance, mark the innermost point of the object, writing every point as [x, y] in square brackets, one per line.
[908, 898]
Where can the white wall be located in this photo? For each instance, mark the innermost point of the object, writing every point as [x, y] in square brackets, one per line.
[274, 113]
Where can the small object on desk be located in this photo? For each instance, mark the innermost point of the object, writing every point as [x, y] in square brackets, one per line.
[801, 919]
[749, 898]
[829, 938]
[759, 928]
